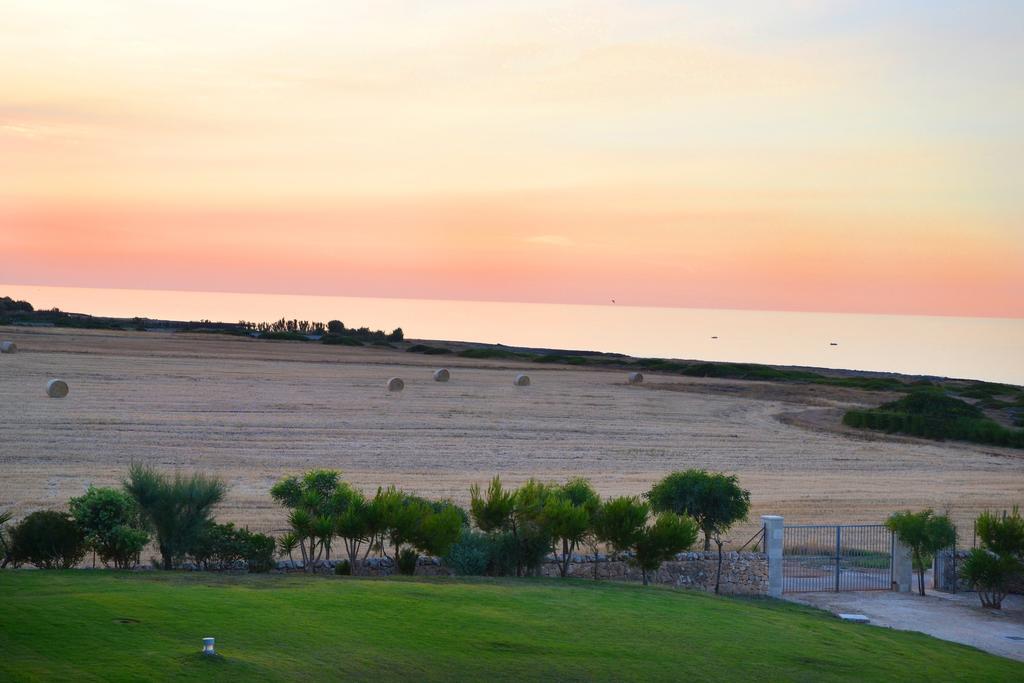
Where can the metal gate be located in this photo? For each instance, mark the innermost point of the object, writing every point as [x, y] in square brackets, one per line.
[830, 557]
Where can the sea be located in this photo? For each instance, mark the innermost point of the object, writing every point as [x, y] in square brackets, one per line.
[989, 349]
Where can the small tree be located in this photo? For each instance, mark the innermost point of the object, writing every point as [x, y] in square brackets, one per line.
[622, 523]
[991, 568]
[314, 500]
[570, 513]
[176, 509]
[925, 533]
[49, 540]
[660, 541]
[492, 511]
[715, 501]
[112, 526]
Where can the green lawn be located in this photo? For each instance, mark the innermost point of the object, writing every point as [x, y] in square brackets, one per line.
[72, 626]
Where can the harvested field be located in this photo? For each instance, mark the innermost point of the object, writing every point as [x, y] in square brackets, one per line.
[251, 411]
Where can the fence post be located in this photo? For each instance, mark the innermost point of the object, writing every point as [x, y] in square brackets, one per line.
[902, 567]
[773, 537]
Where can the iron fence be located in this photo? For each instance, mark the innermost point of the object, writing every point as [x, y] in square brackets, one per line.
[829, 557]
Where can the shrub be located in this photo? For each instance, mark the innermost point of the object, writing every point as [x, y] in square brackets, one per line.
[177, 509]
[259, 551]
[48, 540]
[989, 574]
[428, 350]
[343, 568]
[471, 554]
[113, 530]
[340, 340]
[991, 568]
[406, 560]
[222, 546]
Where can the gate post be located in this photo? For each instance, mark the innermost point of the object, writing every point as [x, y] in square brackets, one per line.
[902, 567]
[773, 536]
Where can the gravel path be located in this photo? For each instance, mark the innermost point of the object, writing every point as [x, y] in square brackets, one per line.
[955, 617]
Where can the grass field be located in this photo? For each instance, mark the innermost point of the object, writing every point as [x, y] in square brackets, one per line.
[99, 625]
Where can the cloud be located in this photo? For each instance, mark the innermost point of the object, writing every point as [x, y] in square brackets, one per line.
[551, 240]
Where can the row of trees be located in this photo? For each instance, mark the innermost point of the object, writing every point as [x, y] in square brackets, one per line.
[313, 328]
[515, 528]
[117, 524]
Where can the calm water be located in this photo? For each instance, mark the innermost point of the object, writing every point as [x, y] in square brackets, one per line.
[980, 348]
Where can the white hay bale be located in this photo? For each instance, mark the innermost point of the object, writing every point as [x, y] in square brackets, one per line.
[8, 347]
[522, 380]
[56, 388]
[636, 378]
[442, 375]
[396, 384]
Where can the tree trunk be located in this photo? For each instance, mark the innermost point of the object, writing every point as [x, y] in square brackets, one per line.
[707, 540]
[718, 572]
[168, 560]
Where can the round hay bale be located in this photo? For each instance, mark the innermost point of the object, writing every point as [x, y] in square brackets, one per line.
[442, 375]
[522, 380]
[396, 384]
[636, 378]
[56, 388]
[8, 347]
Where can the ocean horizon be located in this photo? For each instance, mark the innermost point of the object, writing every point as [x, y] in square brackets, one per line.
[958, 347]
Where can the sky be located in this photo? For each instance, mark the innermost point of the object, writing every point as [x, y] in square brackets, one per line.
[810, 156]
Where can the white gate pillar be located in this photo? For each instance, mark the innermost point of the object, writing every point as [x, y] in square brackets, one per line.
[773, 536]
[902, 567]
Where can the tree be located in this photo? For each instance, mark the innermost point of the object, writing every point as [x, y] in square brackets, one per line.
[715, 501]
[358, 522]
[176, 509]
[660, 541]
[47, 539]
[622, 523]
[112, 525]
[335, 327]
[534, 532]
[417, 523]
[925, 533]
[314, 501]
[991, 568]
[570, 513]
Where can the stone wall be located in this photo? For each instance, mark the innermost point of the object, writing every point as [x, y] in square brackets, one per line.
[742, 573]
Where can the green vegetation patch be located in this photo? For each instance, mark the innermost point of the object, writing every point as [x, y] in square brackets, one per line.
[428, 350]
[79, 626]
[932, 414]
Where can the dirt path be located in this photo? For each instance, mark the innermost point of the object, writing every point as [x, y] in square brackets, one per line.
[955, 617]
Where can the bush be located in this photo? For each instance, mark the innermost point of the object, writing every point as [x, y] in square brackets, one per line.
[222, 546]
[428, 350]
[340, 340]
[110, 521]
[406, 561]
[990, 575]
[343, 568]
[48, 540]
[471, 554]
[931, 414]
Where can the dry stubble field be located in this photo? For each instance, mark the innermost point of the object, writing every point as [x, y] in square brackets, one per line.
[251, 411]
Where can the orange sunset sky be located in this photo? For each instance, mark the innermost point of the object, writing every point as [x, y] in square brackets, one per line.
[820, 156]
